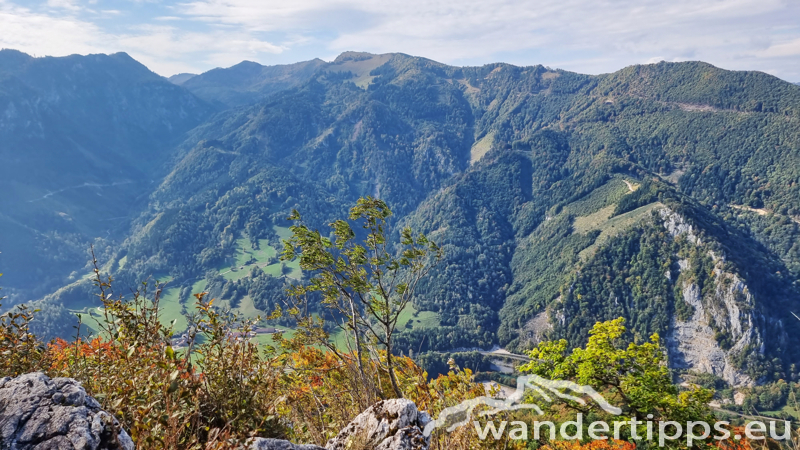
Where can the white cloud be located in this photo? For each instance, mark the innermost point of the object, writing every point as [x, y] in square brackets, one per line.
[589, 36]
[63, 4]
[789, 48]
[164, 49]
[612, 33]
[43, 34]
[169, 49]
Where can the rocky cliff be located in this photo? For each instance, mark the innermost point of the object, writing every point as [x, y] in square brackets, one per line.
[725, 323]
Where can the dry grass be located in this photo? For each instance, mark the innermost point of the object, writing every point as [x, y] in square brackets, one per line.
[588, 223]
[480, 148]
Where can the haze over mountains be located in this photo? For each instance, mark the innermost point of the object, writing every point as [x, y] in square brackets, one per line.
[668, 194]
[247, 82]
[84, 138]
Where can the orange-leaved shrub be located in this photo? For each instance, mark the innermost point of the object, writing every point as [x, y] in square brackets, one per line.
[215, 393]
[220, 388]
[606, 444]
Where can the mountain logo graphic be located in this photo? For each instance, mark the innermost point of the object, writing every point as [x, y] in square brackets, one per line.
[541, 386]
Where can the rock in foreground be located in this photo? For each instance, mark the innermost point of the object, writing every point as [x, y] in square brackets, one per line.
[388, 425]
[278, 444]
[39, 413]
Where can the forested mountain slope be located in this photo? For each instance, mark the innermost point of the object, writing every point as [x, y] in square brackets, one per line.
[247, 82]
[666, 193]
[82, 140]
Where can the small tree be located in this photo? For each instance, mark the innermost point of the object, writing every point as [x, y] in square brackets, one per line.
[365, 282]
[634, 376]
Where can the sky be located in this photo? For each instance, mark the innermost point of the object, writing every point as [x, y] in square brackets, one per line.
[587, 36]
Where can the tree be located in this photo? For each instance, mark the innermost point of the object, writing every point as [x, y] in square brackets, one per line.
[365, 282]
[634, 377]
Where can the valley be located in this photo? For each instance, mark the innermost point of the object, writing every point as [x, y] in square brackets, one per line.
[662, 193]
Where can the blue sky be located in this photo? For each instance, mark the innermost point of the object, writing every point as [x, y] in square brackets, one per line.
[588, 36]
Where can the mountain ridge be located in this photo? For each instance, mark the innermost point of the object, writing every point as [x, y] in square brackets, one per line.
[79, 125]
[248, 82]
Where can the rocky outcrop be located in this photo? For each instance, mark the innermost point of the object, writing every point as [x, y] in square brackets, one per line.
[278, 444]
[394, 424]
[676, 226]
[729, 311]
[693, 344]
[536, 329]
[39, 413]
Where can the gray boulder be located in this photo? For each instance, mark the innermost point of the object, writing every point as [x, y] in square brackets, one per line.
[394, 424]
[39, 413]
[278, 444]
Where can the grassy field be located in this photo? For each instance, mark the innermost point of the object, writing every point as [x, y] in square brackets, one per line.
[266, 339]
[246, 308]
[89, 320]
[595, 210]
[170, 309]
[339, 339]
[246, 252]
[588, 223]
[264, 257]
[602, 197]
[783, 412]
[426, 319]
[169, 305]
[409, 315]
[284, 233]
[293, 268]
[616, 225]
[199, 286]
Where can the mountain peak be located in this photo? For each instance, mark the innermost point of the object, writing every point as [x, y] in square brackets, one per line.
[6, 52]
[13, 58]
[247, 82]
[247, 65]
[122, 55]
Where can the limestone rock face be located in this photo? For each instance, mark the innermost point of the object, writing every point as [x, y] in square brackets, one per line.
[730, 309]
[388, 425]
[693, 344]
[39, 413]
[394, 424]
[278, 444]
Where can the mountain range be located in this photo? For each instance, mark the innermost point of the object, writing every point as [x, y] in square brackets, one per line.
[666, 193]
